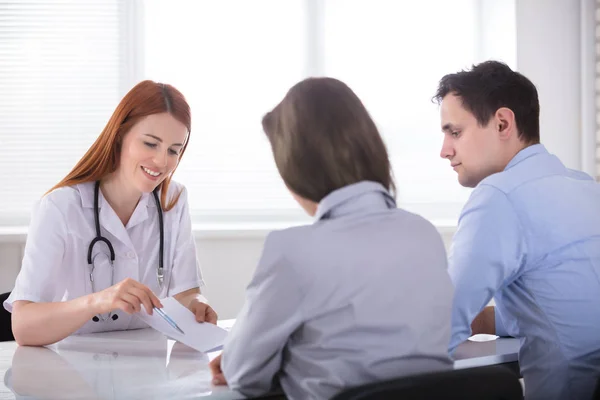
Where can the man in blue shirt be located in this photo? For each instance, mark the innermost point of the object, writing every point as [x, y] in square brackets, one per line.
[529, 235]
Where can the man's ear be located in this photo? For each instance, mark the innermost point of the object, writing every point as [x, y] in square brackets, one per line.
[506, 125]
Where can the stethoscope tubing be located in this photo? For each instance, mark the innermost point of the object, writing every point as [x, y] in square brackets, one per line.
[100, 238]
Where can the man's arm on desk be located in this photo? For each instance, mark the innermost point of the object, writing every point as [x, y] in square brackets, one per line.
[487, 251]
[488, 321]
[484, 322]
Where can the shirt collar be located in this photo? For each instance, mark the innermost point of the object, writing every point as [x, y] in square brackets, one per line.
[348, 198]
[527, 152]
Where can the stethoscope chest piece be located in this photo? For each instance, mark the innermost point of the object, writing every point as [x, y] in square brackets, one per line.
[160, 276]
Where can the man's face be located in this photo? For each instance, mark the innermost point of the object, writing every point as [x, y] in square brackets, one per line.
[473, 151]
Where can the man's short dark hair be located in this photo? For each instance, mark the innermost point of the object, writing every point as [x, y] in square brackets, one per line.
[492, 85]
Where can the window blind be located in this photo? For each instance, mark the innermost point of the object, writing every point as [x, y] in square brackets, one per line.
[64, 65]
[59, 82]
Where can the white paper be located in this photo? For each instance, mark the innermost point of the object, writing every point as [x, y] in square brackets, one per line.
[483, 337]
[200, 336]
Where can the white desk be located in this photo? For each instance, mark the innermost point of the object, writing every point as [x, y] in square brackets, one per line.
[144, 364]
[479, 354]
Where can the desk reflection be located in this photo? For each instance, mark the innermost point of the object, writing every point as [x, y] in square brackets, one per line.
[117, 365]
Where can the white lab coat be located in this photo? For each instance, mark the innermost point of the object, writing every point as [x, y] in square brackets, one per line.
[55, 264]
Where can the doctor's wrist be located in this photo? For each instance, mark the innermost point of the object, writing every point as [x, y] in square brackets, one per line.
[202, 299]
[88, 305]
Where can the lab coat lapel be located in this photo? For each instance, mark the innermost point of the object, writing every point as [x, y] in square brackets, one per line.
[111, 223]
[140, 214]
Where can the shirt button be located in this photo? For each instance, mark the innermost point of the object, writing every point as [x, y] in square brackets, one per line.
[130, 254]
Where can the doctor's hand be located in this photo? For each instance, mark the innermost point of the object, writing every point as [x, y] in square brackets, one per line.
[128, 295]
[202, 311]
[197, 304]
[217, 373]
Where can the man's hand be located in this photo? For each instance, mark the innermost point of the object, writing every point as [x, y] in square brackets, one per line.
[485, 322]
[217, 373]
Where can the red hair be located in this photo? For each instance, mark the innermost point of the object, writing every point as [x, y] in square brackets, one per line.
[102, 158]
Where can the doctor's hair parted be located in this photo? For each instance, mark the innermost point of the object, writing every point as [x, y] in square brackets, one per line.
[491, 85]
[144, 99]
[323, 139]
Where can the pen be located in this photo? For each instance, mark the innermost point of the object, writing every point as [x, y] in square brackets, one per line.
[168, 319]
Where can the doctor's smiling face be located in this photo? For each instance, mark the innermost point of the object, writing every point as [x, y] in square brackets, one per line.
[140, 146]
[150, 151]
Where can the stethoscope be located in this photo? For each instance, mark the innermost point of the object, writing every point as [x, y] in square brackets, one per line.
[160, 277]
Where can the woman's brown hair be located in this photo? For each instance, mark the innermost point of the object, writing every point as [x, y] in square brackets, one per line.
[144, 99]
[323, 139]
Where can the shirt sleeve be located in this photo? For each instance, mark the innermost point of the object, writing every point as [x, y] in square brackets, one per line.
[252, 354]
[487, 252]
[42, 275]
[186, 272]
[499, 323]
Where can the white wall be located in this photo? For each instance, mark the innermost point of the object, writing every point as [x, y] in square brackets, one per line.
[10, 262]
[227, 266]
[548, 43]
[548, 53]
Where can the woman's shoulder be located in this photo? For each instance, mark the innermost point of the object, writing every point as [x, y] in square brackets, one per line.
[396, 222]
[177, 191]
[413, 219]
[290, 239]
[64, 198]
[56, 208]
[175, 188]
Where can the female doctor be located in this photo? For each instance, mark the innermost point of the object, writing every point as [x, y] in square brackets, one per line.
[115, 233]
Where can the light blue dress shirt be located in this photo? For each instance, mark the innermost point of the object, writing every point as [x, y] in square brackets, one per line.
[530, 237]
[361, 295]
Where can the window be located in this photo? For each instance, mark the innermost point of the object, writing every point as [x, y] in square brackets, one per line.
[64, 65]
[234, 60]
[59, 82]
[394, 62]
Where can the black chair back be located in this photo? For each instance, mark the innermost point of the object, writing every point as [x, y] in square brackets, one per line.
[483, 383]
[5, 321]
